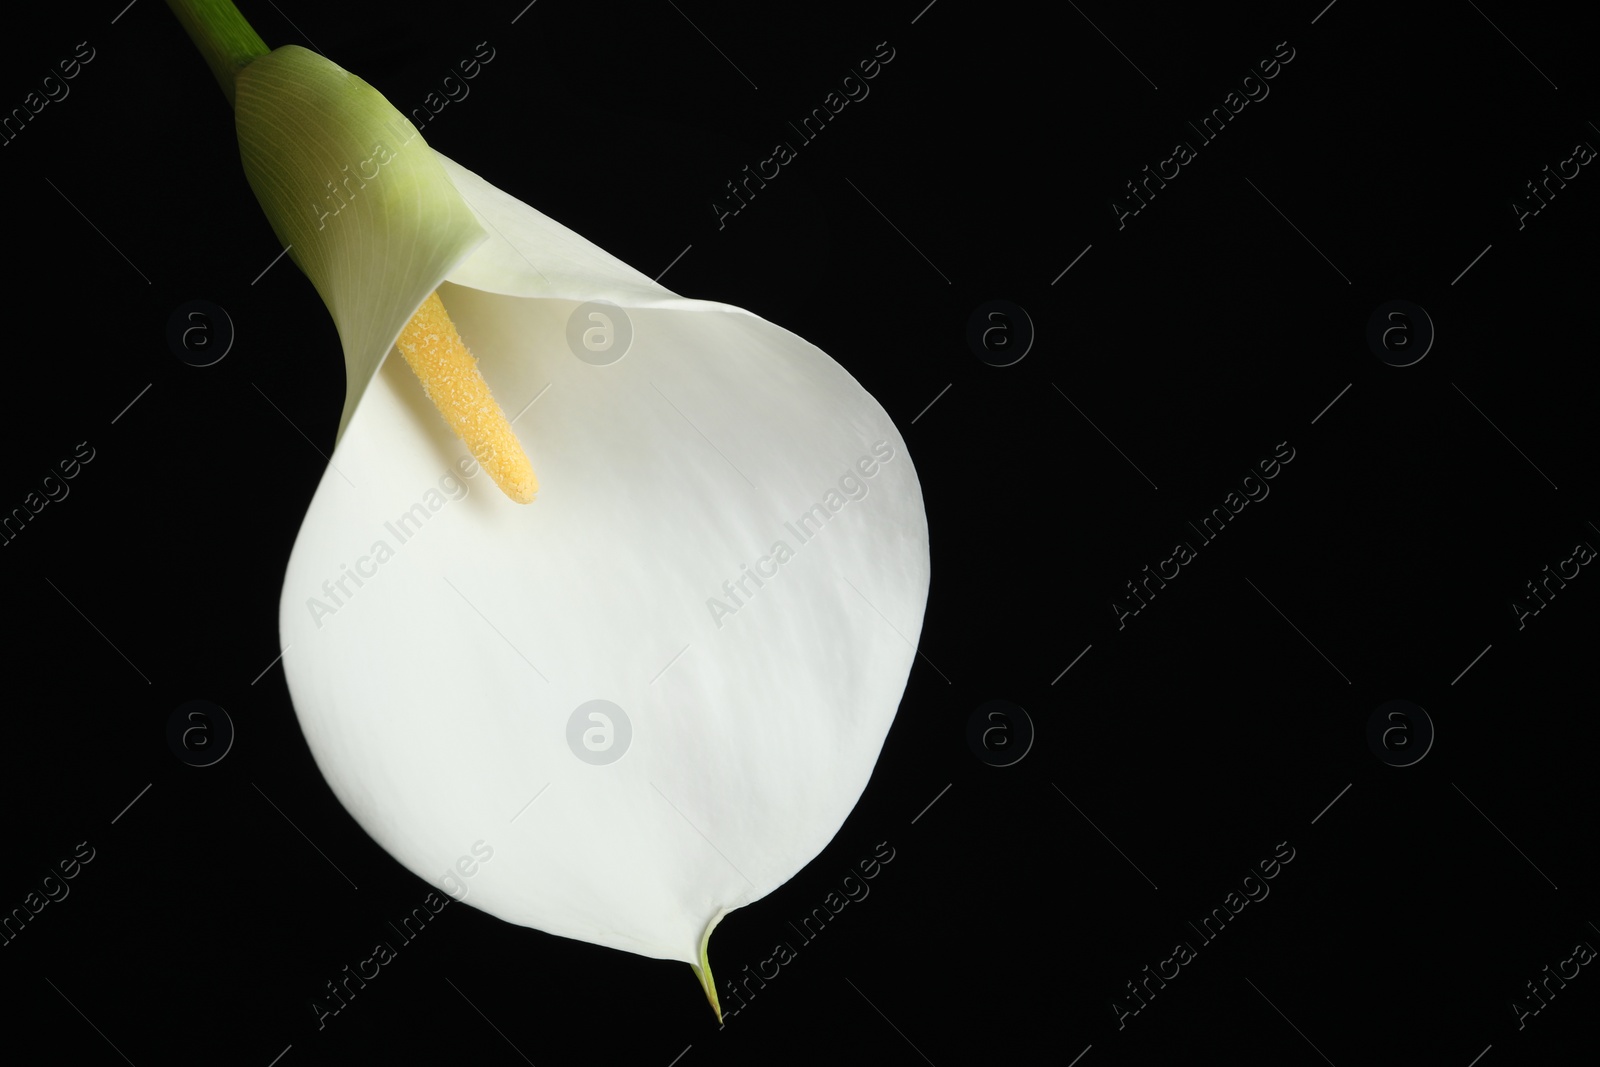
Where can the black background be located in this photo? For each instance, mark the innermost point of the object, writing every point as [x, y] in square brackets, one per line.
[1177, 751]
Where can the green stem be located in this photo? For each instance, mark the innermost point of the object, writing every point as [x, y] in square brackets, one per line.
[702, 970]
[223, 36]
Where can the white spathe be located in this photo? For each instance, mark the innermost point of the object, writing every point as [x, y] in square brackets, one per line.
[436, 686]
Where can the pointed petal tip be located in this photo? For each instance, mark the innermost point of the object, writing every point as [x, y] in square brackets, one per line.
[704, 975]
[702, 970]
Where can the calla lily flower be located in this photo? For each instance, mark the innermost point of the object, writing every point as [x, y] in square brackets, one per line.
[655, 693]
